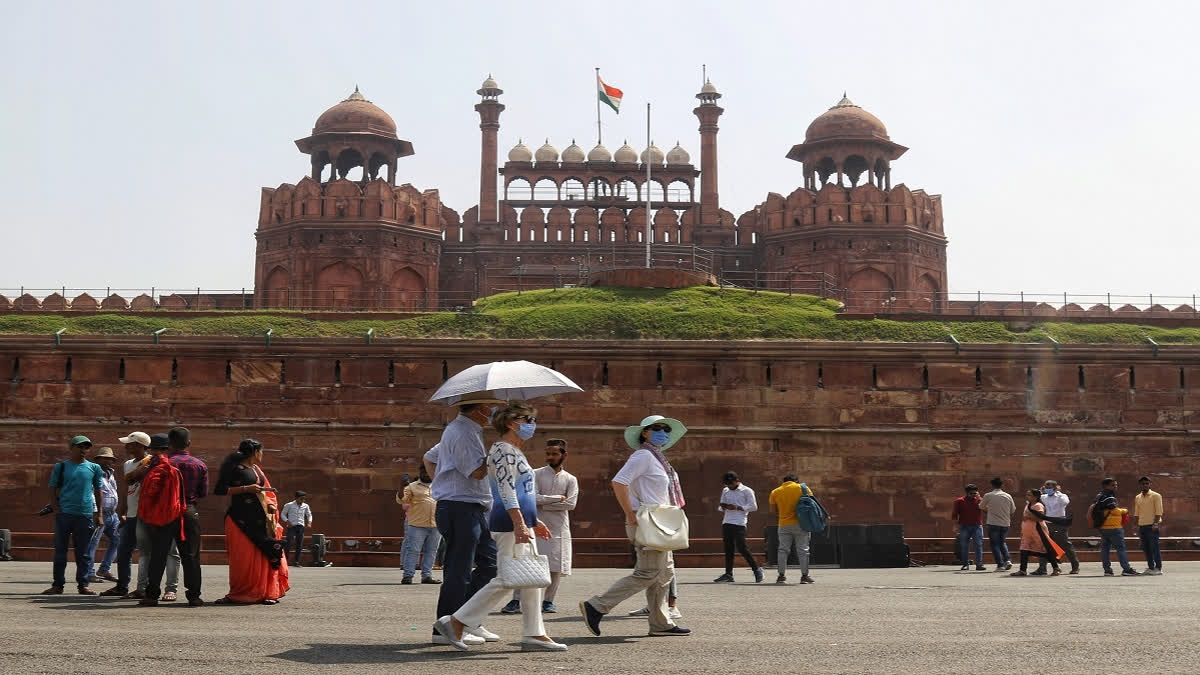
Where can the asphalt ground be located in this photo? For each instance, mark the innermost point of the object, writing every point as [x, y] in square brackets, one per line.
[361, 620]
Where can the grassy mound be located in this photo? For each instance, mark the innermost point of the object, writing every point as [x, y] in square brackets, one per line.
[699, 313]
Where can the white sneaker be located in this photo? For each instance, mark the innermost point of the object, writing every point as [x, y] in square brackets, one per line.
[674, 613]
[468, 639]
[645, 611]
[483, 634]
[1153, 572]
[534, 643]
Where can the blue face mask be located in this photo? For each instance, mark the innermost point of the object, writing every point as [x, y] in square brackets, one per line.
[1048, 491]
[659, 438]
[525, 431]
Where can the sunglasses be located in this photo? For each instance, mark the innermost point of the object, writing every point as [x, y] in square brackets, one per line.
[659, 427]
[527, 418]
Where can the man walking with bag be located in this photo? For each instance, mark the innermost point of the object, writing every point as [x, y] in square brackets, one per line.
[783, 501]
[647, 478]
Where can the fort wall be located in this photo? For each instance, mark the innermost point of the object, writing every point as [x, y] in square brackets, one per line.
[884, 432]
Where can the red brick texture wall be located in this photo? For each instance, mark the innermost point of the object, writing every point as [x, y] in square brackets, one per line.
[884, 433]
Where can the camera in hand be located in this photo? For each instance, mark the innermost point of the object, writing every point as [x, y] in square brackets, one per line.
[46, 510]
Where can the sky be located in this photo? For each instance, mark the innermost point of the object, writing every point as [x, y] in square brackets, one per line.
[1062, 136]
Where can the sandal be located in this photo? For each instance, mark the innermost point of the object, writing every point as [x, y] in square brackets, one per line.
[224, 601]
[268, 601]
[169, 596]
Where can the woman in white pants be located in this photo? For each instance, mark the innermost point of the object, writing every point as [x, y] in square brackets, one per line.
[513, 514]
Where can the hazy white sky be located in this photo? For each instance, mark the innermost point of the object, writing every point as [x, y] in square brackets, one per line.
[1062, 136]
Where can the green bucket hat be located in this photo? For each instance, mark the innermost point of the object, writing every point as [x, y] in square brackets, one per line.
[633, 434]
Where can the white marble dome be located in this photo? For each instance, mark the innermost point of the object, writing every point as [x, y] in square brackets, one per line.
[572, 153]
[546, 153]
[677, 155]
[652, 154]
[520, 153]
[625, 154]
[599, 154]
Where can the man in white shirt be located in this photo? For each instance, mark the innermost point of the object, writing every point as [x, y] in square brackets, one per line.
[999, 508]
[1056, 502]
[737, 503]
[297, 515]
[557, 494]
[646, 478]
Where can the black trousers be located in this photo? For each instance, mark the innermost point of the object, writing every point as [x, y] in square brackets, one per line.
[295, 542]
[735, 535]
[1025, 555]
[189, 553]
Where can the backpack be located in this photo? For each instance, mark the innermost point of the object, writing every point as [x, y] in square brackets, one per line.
[1097, 514]
[811, 516]
[162, 501]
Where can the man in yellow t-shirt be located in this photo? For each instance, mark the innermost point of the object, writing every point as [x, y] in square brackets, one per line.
[1148, 509]
[783, 501]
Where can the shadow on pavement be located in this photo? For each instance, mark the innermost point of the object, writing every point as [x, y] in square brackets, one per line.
[418, 652]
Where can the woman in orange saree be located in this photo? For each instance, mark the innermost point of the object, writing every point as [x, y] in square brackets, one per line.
[1035, 536]
[258, 571]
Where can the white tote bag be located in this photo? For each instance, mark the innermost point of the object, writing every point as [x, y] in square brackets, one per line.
[525, 568]
[661, 527]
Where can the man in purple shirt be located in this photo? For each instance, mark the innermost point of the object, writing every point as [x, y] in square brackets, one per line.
[195, 486]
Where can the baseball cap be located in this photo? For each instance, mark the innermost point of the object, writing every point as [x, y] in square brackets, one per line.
[81, 440]
[159, 442]
[138, 437]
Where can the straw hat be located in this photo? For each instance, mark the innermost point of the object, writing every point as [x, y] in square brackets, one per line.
[104, 452]
[633, 434]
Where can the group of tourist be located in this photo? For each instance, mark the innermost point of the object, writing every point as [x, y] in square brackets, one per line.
[151, 506]
[1044, 527]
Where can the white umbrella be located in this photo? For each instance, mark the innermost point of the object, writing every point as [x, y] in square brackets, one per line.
[507, 380]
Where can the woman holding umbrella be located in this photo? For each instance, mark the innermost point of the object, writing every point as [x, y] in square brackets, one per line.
[646, 478]
[513, 521]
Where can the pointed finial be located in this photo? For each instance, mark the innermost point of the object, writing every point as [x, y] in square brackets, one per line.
[356, 96]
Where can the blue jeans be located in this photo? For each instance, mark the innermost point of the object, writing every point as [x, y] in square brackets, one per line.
[295, 542]
[1110, 539]
[1149, 536]
[112, 530]
[125, 553]
[421, 541]
[67, 527]
[968, 534]
[997, 535]
[468, 542]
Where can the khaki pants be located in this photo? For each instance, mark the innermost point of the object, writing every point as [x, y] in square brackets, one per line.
[652, 574]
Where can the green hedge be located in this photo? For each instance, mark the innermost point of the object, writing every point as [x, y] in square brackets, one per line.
[700, 313]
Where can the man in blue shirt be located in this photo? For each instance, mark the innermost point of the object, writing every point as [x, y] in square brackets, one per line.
[460, 486]
[75, 493]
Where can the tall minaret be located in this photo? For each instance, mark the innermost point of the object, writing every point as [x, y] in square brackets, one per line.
[708, 111]
[489, 109]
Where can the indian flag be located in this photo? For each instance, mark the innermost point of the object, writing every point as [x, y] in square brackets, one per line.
[610, 95]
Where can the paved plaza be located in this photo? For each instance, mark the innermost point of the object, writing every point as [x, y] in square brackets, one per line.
[361, 620]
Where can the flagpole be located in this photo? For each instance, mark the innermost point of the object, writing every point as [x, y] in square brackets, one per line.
[599, 135]
[649, 160]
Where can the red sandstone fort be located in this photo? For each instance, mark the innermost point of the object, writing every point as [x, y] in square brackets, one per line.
[885, 432]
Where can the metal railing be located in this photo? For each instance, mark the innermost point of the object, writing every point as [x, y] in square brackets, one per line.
[1021, 304]
[807, 283]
